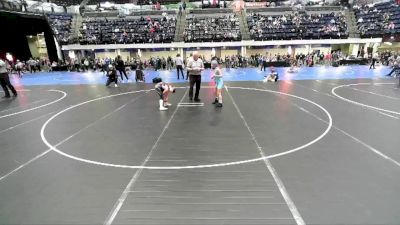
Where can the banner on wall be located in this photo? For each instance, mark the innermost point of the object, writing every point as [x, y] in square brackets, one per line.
[256, 4]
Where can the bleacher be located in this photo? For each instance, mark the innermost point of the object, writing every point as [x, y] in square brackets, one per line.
[378, 20]
[219, 25]
[212, 28]
[60, 23]
[297, 26]
[153, 29]
[96, 2]
[64, 2]
[162, 2]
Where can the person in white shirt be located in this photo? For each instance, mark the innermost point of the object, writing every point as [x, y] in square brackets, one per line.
[373, 60]
[32, 65]
[5, 80]
[187, 62]
[18, 67]
[179, 65]
[195, 66]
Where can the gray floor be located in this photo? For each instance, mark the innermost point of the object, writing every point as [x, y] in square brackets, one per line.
[350, 176]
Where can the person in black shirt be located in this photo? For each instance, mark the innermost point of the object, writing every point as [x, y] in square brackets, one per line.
[120, 66]
[372, 66]
[112, 76]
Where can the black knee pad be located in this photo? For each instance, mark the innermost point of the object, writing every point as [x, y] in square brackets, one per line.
[160, 92]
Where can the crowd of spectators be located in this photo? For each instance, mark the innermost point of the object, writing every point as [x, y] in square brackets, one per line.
[261, 61]
[258, 60]
[32, 65]
[61, 24]
[389, 58]
[101, 64]
[128, 30]
[94, 2]
[155, 2]
[375, 20]
[297, 26]
[212, 29]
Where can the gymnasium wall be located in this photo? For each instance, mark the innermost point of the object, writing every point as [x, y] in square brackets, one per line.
[165, 54]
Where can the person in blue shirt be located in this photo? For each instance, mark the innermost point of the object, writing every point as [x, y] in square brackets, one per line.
[219, 82]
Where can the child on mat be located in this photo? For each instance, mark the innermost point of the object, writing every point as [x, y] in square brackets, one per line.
[112, 76]
[219, 84]
[273, 76]
[292, 68]
[163, 90]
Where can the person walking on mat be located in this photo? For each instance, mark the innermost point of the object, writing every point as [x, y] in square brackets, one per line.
[5, 80]
[179, 65]
[219, 83]
[120, 66]
[112, 76]
[374, 58]
[195, 66]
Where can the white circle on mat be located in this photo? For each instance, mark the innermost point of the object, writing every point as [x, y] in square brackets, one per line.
[54, 148]
[37, 107]
[361, 104]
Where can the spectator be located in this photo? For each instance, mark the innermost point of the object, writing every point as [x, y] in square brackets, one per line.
[298, 25]
[179, 65]
[210, 29]
[128, 31]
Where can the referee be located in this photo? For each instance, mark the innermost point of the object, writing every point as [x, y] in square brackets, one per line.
[5, 80]
[195, 66]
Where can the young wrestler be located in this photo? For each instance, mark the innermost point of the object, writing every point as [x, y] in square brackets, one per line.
[292, 68]
[112, 76]
[163, 89]
[219, 84]
[273, 76]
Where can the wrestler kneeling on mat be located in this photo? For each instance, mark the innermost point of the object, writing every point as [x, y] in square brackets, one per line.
[112, 76]
[163, 90]
[273, 76]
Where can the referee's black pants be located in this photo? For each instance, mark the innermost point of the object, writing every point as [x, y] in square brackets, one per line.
[180, 68]
[6, 84]
[122, 72]
[194, 79]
